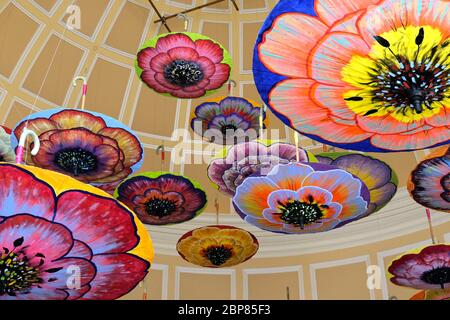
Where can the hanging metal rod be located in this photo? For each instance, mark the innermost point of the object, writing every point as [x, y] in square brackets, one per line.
[161, 19]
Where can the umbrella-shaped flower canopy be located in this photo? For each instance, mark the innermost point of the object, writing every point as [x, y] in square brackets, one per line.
[252, 158]
[88, 146]
[228, 120]
[217, 246]
[357, 74]
[429, 183]
[436, 294]
[161, 198]
[6, 152]
[379, 178]
[183, 65]
[62, 239]
[301, 198]
[424, 268]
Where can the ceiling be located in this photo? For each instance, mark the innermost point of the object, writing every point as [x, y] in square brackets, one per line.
[40, 58]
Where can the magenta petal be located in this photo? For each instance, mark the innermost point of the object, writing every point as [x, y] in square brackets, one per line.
[68, 269]
[145, 56]
[117, 274]
[102, 223]
[170, 41]
[159, 62]
[220, 76]
[209, 49]
[80, 250]
[41, 236]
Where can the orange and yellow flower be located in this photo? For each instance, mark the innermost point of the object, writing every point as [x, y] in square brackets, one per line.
[217, 246]
[369, 75]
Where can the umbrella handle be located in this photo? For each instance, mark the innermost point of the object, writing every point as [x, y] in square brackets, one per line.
[74, 83]
[21, 147]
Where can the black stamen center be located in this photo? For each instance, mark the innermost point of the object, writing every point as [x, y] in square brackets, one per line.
[160, 207]
[300, 213]
[228, 127]
[17, 275]
[440, 276]
[409, 84]
[76, 161]
[218, 255]
[183, 73]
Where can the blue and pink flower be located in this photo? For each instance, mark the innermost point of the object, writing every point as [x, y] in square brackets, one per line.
[228, 121]
[301, 198]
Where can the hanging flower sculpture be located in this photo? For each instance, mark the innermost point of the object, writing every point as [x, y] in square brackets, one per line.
[183, 65]
[61, 239]
[436, 294]
[429, 183]
[6, 152]
[364, 75]
[251, 158]
[425, 268]
[88, 146]
[217, 246]
[230, 120]
[379, 178]
[161, 198]
[301, 198]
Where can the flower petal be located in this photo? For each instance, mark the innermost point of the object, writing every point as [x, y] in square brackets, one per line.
[210, 50]
[68, 119]
[170, 41]
[128, 143]
[22, 192]
[102, 223]
[331, 11]
[251, 196]
[285, 48]
[117, 275]
[290, 176]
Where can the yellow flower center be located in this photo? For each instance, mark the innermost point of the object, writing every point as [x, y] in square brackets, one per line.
[406, 75]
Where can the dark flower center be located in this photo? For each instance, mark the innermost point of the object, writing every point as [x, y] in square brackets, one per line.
[228, 127]
[160, 207]
[17, 275]
[183, 73]
[76, 161]
[218, 255]
[406, 83]
[300, 213]
[439, 276]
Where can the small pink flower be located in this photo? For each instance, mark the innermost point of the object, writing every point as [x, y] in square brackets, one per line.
[182, 67]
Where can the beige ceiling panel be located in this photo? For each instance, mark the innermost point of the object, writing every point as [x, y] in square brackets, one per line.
[342, 282]
[224, 5]
[253, 4]
[46, 4]
[198, 172]
[218, 31]
[153, 162]
[128, 29]
[154, 285]
[249, 32]
[91, 14]
[107, 87]
[17, 112]
[204, 286]
[273, 286]
[61, 70]
[150, 109]
[13, 47]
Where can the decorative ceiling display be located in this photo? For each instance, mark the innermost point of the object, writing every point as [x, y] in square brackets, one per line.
[429, 183]
[6, 152]
[252, 158]
[369, 76]
[228, 120]
[183, 65]
[160, 198]
[89, 146]
[51, 224]
[379, 178]
[300, 198]
[217, 246]
[436, 294]
[425, 268]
